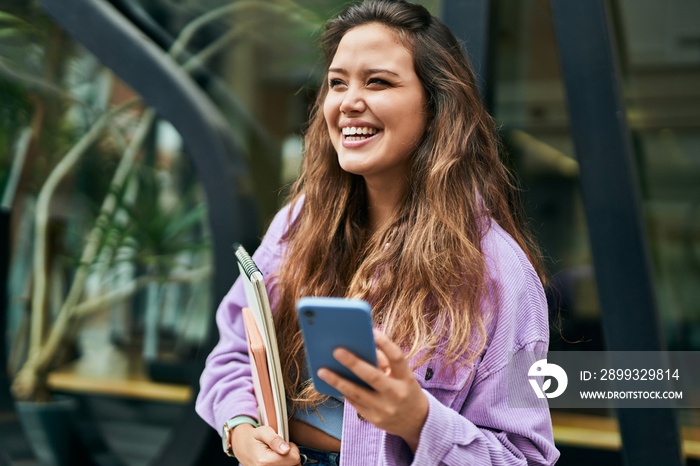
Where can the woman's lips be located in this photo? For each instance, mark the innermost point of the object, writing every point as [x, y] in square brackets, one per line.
[353, 141]
[353, 137]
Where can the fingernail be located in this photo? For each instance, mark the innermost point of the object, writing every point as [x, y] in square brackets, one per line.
[284, 448]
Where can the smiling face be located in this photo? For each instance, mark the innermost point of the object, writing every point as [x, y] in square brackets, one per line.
[375, 106]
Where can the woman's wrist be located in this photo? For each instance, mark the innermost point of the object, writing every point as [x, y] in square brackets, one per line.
[238, 433]
[413, 437]
[234, 424]
[239, 428]
[238, 439]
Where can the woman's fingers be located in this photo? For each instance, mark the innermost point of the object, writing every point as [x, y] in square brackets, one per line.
[391, 365]
[370, 374]
[349, 389]
[394, 354]
[397, 404]
[262, 445]
[269, 437]
[383, 362]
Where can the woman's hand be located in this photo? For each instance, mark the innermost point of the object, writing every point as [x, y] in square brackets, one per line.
[255, 446]
[398, 404]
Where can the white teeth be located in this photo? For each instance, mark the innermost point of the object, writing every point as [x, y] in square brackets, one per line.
[350, 130]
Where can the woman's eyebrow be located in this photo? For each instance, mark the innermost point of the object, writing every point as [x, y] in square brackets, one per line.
[365, 72]
[379, 71]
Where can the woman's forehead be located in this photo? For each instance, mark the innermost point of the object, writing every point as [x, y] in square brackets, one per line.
[372, 45]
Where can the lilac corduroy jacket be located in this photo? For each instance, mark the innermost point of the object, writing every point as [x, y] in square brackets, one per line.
[469, 420]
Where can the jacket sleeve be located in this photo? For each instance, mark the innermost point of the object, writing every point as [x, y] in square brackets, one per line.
[226, 386]
[476, 422]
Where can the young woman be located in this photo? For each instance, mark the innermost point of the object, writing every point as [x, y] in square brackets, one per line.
[403, 202]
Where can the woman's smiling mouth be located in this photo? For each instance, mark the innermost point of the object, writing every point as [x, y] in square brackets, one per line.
[355, 134]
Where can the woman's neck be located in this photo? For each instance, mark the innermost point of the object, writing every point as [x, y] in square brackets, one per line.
[382, 203]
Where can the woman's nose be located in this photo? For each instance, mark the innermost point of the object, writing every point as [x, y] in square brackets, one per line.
[353, 102]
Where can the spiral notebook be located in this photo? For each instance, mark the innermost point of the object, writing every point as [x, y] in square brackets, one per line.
[262, 346]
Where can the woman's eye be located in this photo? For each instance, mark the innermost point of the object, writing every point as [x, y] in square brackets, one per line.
[378, 82]
[334, 83]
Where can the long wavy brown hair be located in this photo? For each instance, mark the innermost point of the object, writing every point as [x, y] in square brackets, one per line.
[424, 273]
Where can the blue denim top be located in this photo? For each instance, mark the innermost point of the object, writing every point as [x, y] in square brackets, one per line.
[329, 417]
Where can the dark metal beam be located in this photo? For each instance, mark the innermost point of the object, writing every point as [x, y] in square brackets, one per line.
[613, 208]
[6, 400]
[473, 22]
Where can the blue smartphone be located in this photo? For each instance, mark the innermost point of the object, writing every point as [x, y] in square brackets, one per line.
[326, 324]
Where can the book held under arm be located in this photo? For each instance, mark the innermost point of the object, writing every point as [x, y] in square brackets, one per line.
[265, 363]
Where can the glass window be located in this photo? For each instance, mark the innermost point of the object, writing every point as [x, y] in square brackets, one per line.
[530, 105]
[109, 221]
[660, 50]
[111, 245]
[659, 54]
[110, 271]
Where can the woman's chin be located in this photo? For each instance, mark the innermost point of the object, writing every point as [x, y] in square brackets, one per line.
[353, 167]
